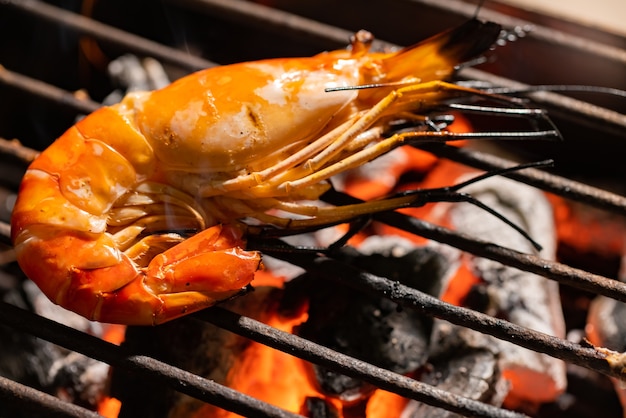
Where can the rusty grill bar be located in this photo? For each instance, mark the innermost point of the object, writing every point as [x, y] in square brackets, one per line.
[326, 36]
[321, 35]
[35, 402]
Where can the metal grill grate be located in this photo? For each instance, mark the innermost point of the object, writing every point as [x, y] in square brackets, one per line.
[316, 35]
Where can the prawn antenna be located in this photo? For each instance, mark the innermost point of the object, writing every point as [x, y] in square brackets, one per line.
[412, 198]
[478, 7]
[573, 88]
[452, 194]
[369, 86]
[532, 115]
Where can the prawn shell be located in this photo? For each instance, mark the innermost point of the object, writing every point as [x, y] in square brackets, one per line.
[200, 124]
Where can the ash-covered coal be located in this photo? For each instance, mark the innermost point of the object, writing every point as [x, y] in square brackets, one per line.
[45, 366]
[369, 328]
[463, 362]
[192, 345]
[315, 407]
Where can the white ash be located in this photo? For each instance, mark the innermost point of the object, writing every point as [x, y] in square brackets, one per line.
[132, 74]
[464, 362]
[44, 307]
[522, 298]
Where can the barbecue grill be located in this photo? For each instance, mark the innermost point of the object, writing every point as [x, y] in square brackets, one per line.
[43, 64]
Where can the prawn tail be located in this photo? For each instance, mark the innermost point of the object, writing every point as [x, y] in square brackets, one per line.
[73, 269]
[87, 274]
[437, 57]
[201, 271]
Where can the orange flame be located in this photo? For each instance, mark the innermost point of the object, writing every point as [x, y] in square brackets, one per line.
[603, 234]
[384, 404]
[268, 374]
[110, 407]
[272, 375]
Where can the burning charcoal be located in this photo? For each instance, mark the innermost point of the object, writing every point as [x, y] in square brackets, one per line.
[602, 244]
[379, 177]
[164, 343]
[607, 323]
[366, 328]
[131, 74]
[319, 408]
[520, 297]
[606, 327]
[589, 394]
[370, 328]
[79, 379]
[423, 268]
[24, 358]
[199, 347]
[463, 362]
[47, 367]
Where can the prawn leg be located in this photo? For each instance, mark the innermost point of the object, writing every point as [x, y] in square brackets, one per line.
[408, 98]
[200, 271]
[197, 273]
[321, 166]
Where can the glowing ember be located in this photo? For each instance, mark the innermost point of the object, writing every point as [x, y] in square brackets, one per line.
[603, 232]
[270, 375]
[384, 404]
[109, 407]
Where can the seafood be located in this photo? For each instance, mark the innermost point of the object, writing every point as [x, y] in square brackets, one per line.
[139, 213]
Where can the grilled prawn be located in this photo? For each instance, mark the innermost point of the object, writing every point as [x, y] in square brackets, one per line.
[138, 214]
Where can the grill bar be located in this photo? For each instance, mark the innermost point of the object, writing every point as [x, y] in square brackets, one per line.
[318, 354]
[26, 399]
[266, 18]
[561, 273]
[110, 34]
[595, 116]
[547, 34]
[227, 398]
[15, 149]
[46, 91]
[224, 397]
[180, 380]
[278, 21]
[552, 270]
[433, 307]
[545, 181]
[5, 234]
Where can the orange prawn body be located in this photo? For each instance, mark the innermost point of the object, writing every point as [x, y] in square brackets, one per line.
[103, 215]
